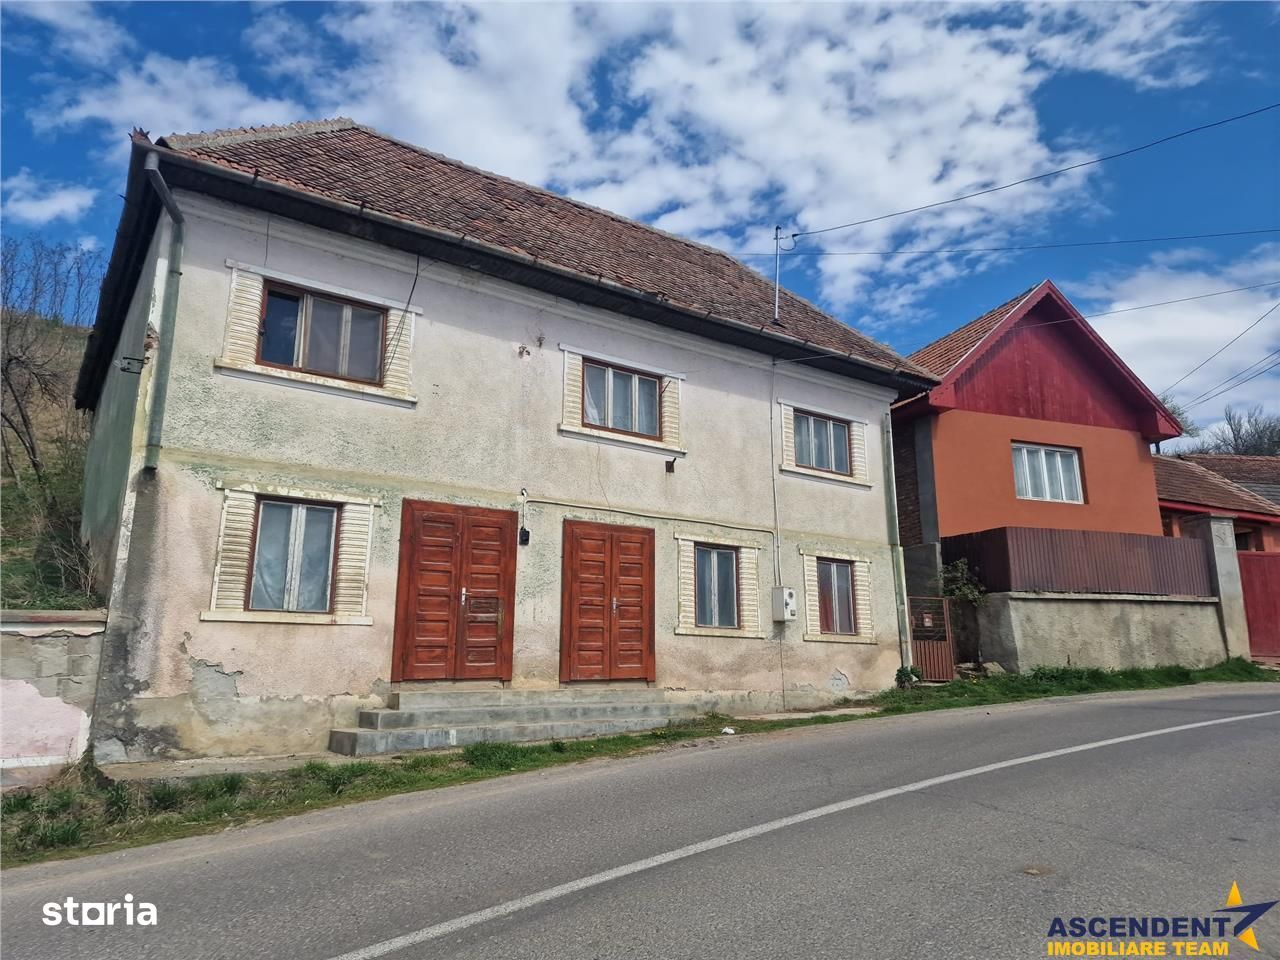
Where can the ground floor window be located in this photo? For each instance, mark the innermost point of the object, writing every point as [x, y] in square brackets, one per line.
[836, 607]
[293, 554]
[716, 586]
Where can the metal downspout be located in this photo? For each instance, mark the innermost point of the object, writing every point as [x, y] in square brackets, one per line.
[168, 312]
[895, 548]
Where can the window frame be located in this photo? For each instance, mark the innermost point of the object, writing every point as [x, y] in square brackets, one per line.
[259, 500]
[716, 548]
[609, 367]
[1077, 457]
[306, 296]
[853, 598]
[829, 420]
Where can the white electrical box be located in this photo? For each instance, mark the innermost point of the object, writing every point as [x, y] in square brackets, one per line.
[785, 606]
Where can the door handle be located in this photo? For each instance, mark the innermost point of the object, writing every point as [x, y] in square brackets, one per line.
[464, 596]
[615, 605]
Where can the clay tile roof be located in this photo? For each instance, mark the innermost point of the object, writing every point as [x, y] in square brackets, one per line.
[1185, 481]
[944, 353]
[1261, 475]
[343, 161]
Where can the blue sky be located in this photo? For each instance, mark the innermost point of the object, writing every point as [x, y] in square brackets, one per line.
[719, 120]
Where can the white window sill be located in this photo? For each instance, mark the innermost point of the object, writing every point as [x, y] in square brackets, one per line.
[311, 381]
[840, 638]
[284, 616]
[726, 632]
[622, 440]
[825, 475]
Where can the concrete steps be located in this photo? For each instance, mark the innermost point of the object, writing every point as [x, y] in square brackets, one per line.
[425, 719]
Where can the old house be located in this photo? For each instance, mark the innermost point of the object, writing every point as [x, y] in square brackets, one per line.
[1030, 460]
[1260, 475]
[1188, 487]
[391, 452]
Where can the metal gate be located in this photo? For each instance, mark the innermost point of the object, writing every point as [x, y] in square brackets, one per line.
[931, 647]
[1260, 581]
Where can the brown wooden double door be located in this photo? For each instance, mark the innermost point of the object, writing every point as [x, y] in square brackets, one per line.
[456, 593]
[607, 617]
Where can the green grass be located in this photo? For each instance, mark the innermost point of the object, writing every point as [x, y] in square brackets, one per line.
[84, 812]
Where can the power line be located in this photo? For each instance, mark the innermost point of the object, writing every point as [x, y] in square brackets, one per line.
[1240, 383]
[1032, 246]
[1042, 176]
[1198, 398]
[1221, 348]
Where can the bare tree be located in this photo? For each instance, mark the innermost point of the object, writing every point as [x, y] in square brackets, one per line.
[1252, 432]
[1189, 427]
[44, 288]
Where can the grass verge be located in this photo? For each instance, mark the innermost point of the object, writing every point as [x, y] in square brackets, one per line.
[82, 811]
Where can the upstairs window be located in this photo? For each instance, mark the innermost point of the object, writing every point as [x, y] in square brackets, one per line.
[1047, 473]
[822, 443]
[293, 553]
[614, 398]
[305, 331]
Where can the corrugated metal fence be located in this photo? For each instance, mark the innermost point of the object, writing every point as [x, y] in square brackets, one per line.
[1083, 561]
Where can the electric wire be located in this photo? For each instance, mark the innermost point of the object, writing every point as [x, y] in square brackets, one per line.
[1223, 347]
[1042, 176]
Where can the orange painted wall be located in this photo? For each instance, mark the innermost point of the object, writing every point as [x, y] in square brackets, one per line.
[973, 476]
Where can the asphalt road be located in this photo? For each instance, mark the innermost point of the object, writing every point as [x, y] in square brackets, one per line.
[837, 861]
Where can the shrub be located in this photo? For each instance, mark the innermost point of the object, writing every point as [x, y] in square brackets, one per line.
[166, 796]
[222, 785]
[17, 802]
[117, 801]
[56, 802]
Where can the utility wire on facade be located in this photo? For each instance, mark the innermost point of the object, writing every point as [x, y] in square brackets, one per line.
[1041, 176]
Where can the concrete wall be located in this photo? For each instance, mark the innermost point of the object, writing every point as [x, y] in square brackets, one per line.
[973, 470]
[48, 673]
[488, 374]
[1020, 631]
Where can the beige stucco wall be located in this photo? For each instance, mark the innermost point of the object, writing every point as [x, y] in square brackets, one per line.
[488, 372]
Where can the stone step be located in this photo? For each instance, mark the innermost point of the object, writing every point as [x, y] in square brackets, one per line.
[424, 698]
[361, 742]
[545, 712]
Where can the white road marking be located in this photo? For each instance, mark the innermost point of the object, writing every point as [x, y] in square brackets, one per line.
[438, 930]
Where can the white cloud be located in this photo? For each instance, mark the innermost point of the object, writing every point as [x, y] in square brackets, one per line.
[712, 120]
[79, 31]
[35, 202]
[1162, 344]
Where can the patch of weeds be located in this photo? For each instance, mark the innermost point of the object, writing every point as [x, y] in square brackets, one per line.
[427, 761]
[221, 785]
[495, 756]
[51, 834]
[56, 802]
[165, 796]
[117, 802]
[215, 809]
[20, 801]
[558, 746]
[337, 777]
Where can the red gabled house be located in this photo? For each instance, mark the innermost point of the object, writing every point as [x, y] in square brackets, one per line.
[1036, 423]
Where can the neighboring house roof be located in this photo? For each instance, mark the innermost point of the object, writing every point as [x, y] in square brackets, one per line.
[941, 356]
[1260, 475]
[951, 357]
[1181, 481]
[371, 175]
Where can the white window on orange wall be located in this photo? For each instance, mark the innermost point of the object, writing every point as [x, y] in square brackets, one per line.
[1047, 473]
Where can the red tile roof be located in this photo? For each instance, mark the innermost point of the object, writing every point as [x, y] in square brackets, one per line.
[1238, 468]
[1184, 481]
[944, 353]
[343, 161]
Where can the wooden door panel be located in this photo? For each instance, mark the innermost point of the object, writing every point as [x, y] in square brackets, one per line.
[445, 549]
[607, 611]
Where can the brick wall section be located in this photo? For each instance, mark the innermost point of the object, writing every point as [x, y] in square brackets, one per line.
[904, 468]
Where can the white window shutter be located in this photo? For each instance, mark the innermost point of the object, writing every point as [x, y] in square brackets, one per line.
[813, 613]
[572, 390]
[351, 575]
[858, 452]
[235, 544]
[788, 435]
[397, 366]
[749, 589]
[670, 404]
[244, 318]
[686, 561]
[862, 598]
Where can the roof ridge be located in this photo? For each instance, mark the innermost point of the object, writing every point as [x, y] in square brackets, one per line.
[278, 131]
[1262, 504]
[1003, 310]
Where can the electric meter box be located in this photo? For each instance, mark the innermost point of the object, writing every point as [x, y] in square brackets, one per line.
[785, 606]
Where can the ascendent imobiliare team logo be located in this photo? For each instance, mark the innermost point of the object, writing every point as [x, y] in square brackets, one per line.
[1209, 935]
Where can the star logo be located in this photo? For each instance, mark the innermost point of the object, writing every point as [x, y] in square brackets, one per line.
[1249, 914]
